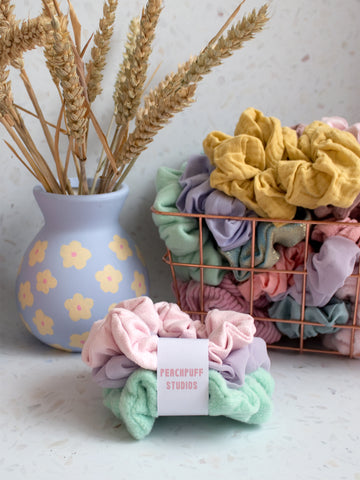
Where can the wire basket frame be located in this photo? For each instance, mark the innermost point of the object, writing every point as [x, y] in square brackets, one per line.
[300, 344]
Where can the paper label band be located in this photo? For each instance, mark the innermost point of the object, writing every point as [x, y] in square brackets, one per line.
[183, 376]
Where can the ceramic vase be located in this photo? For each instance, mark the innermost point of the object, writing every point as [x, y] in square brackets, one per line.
[79, 265]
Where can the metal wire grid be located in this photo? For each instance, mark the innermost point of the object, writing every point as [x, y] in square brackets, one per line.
[300, 344]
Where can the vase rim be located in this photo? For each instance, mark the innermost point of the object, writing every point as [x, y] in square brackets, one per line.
[123, 190]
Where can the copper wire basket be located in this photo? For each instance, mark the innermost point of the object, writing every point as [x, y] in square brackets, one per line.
[300, 344]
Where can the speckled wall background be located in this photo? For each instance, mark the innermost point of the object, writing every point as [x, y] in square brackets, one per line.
[304, 66]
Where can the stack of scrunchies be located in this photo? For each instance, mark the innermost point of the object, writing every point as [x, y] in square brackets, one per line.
[269, 171]
[121, 349]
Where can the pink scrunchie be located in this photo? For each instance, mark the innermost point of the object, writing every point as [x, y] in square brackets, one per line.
[322, 231]
[273, 283]
[226, 296]
[174, 323]
[132, 328]
[226, 332]
[335, 122]
[341, 124]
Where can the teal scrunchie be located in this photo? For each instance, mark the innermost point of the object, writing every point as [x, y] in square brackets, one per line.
[265, 255]
[181, 234]
[334, 313]
[136, 403]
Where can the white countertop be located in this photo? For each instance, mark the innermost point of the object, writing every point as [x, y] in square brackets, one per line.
[52, 421]
[53, 424]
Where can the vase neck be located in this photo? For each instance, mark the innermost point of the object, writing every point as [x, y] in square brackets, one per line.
[77, 211]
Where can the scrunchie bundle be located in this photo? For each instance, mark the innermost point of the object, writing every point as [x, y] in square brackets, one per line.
[266, 170]
[122, 351]
[136, 403]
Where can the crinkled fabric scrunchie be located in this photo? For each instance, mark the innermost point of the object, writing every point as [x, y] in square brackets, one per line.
[272, 171]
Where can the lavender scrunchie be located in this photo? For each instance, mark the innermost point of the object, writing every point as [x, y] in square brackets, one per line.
[197, 196]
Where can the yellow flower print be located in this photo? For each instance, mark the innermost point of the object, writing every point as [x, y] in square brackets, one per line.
[25, 297]
[37, 253]
[78, 341]
[109, 279]
[79, 307]
[43, 323]
[45, 281]
[74, 255]
[138, 285]
[139, 254]
[121, 247]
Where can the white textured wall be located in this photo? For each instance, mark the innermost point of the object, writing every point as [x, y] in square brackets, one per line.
[305, 65]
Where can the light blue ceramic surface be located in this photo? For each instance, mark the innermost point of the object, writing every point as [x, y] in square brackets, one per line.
[80, 264]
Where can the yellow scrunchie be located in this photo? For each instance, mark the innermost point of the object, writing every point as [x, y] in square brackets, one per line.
[273, 172]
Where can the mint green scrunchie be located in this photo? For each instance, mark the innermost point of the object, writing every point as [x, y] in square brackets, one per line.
[181, 234]
[136, 403]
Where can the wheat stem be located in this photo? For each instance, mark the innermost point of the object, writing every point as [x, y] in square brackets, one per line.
[25, 110]
[102, 159]
[49, 138]
[37, 171]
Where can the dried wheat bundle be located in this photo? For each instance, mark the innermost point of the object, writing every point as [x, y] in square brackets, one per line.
[79, 83]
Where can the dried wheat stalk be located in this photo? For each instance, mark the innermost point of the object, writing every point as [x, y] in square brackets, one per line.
[63, 63]
[6, 97]
[120, 103]
[48, 12]
[132, 76]
[7, 17]
[212, 55]
[101, 47]
[190, 74]
[129, 87]
[79, 86]
[148, 123]
[15, 40]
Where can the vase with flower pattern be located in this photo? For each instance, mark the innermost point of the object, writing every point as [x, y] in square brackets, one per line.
[79, 265]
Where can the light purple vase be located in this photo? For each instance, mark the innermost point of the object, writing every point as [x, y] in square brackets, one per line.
[79, 265]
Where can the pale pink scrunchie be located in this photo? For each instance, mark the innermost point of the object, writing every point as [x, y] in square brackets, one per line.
[322, 231]
[132, 328]
[174, 323]
[341, 124]
[226, 331]
[128, 328]
[335, 122]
